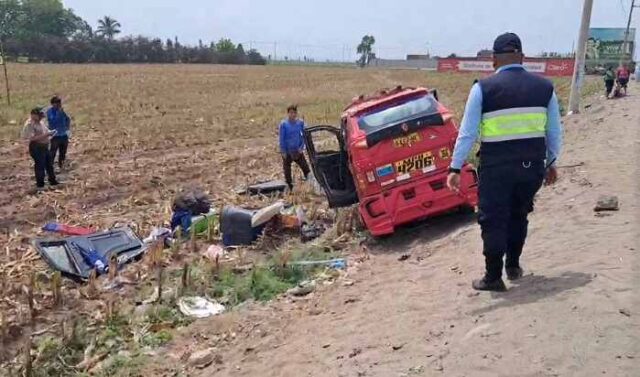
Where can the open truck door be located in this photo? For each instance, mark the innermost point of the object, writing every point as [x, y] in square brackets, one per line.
[330, 163]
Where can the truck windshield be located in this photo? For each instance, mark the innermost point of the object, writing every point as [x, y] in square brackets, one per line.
[421, 106]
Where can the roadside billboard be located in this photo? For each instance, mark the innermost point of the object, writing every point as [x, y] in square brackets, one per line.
[605, 46]
[543, 66]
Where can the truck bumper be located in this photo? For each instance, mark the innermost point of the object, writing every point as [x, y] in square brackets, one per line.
[425, 197]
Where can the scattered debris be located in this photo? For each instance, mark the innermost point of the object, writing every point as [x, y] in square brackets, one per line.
[214, 253]
[155, 296]
[404, 257]
[157, 234]
[338, 264]
[188, 203]
[398, 347]
[204, 358]
[416, 370]
[302, 289]
[355, 352]
[235, 225]
[607, 203]
[292, 218]
[199, 307]
[67, 230]
[310, 232]
[571, 166]
[625, 312]
[264, 188]
[66, 255]
[265, 214]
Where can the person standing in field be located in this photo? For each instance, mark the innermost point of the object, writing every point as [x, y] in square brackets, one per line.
[292, 145]
[37, 135]
[622, 75]
[609, 80]
[59, 121]
[517, 116]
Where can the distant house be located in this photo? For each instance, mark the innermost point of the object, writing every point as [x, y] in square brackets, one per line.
[484, 53]
[418, 57]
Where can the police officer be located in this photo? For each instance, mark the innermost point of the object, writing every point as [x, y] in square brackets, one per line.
[516, 115]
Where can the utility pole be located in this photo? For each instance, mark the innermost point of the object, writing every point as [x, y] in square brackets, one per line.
[578, 70]
[3, 61]
[625, 45]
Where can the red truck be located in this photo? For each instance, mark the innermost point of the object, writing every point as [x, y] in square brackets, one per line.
[391, 155]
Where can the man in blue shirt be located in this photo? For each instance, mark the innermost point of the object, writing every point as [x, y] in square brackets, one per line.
[292, 144]
[517, 118]
[59, 121]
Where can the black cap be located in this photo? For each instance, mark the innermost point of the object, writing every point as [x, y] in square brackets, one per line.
[507, 43]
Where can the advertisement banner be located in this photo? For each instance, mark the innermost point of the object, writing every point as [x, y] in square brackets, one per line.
[544, 66]
[605, 45]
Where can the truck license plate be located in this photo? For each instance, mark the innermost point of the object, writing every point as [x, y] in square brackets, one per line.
[417, 162]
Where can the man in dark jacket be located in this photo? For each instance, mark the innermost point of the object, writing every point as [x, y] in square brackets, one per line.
[516, 115]
[292, 144]
[59, 121]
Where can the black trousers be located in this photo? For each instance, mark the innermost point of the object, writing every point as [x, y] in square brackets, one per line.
[43, 163]
[59, 143]
[609, 86]
[506, 198]
[299, 159]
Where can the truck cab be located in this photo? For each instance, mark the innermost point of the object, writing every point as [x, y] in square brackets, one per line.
[391, 155]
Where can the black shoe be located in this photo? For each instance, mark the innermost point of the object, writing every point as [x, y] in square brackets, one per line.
[514, 273]
[486, 285]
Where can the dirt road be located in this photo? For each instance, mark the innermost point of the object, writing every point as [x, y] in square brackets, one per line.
[576, 313]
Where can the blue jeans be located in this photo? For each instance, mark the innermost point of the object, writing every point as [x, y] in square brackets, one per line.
[506, 198]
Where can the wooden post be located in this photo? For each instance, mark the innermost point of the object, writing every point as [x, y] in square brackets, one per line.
[194, 247]
[175, 246]
[113, 267]
[6, 74]
[159, 277]
[28, 366]
[210, 228]
[185, 278]
[3, 330]
[92, 285]
[30, 300]
[56, 282]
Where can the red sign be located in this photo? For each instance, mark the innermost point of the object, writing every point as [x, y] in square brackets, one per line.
[547, 67]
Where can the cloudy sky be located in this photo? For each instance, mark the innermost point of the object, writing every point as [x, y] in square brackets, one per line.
[330, 29]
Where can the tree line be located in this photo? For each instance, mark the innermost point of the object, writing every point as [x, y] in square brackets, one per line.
[46, 31]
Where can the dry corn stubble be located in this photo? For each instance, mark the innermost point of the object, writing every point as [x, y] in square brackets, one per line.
[149, 130]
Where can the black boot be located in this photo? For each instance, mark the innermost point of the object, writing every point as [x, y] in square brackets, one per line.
[514, 273]
[484, 284]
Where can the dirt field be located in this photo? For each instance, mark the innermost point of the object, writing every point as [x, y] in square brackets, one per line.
[142, 132]
[576, 312]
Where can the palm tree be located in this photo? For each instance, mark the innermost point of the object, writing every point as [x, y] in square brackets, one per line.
[108, 27]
